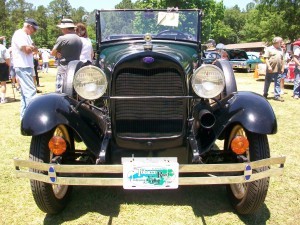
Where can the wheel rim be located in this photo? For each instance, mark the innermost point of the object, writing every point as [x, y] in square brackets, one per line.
[238, 190]
[60, 190]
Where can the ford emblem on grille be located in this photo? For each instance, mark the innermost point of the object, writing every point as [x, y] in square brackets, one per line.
[148, 59]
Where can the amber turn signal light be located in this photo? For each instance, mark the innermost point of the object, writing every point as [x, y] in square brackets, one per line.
[57, 145]
[239, 145]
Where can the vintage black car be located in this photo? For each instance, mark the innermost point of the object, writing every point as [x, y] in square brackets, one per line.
[149, 114]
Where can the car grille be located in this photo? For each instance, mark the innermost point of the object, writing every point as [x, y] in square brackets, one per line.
[149, 117]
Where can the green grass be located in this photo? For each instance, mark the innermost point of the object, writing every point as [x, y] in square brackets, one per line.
[187, 205]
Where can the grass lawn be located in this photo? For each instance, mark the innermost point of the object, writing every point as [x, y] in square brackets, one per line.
[186, 205]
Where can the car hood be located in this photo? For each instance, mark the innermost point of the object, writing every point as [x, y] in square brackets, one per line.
[183, 54]
[236, 54]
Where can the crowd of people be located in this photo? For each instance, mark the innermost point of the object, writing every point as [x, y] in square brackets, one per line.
[277, 64]
[21, 61]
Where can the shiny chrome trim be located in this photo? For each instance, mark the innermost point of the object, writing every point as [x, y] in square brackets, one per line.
[228, 178]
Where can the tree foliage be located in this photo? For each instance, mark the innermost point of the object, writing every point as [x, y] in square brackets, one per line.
[260, 21]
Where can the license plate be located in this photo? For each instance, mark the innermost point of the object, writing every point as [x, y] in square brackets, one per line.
[150, 173]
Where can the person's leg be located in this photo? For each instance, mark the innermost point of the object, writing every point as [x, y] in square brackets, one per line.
[36, 63]
[3, 92]
[14, 78]
[296, 90]
[277, 90]
[28, 89]
[47, 66]
[283, 76]
[61, 72]
[268, 80]
[44, 67]
[4, 76]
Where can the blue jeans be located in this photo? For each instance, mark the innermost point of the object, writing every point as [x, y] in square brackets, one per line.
[27, 85]
[268, 79]
[284, 74]
[296, 91]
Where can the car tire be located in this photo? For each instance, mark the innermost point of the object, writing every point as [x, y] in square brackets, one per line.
[230, 82]
[73, 67]
[247, 198]
[50, 198]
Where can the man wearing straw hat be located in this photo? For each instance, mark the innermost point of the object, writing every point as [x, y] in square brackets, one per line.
[67, 48]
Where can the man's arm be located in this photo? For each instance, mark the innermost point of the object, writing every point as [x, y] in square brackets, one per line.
[7, 61]
[28, 49]
[296, 60]
[53, 52]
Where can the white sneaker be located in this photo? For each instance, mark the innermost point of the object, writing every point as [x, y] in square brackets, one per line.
[282, 92]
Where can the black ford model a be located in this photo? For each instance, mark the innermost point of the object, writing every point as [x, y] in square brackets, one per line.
[149, 115]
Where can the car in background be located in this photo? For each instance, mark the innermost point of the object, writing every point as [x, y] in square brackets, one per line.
[240, 60]
[262, 69]
[210, 56]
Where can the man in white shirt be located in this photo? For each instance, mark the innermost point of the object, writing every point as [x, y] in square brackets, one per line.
[45, 59]
[22, 51]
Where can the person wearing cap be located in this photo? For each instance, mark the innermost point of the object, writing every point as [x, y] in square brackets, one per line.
[275, 67]
[67, 48]
[22, 52]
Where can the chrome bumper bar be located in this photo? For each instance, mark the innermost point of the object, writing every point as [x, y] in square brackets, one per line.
[57, 174]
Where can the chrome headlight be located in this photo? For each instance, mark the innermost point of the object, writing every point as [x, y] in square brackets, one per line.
[208, 81]
[90, 82]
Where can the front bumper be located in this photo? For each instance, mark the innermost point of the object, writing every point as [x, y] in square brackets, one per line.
[238, 66]
[107, 174]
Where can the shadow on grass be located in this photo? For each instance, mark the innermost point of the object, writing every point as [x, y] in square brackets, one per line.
[12, 99]
[204, 200]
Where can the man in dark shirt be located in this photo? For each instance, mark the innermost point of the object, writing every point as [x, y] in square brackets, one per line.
[67, 48]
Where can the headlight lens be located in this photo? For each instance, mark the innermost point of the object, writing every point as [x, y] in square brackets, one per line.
[208, 81]
[90, 82]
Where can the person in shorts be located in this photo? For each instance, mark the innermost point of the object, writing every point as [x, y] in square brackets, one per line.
[4, 72]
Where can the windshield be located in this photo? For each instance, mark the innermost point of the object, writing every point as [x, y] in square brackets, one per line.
[120, 25]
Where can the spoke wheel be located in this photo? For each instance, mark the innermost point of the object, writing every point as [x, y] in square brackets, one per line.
[49, 198]
[248, 197]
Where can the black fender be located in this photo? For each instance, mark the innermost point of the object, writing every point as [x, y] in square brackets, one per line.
[48, 111]
[73, 67]
[249, 109]
[230, 82]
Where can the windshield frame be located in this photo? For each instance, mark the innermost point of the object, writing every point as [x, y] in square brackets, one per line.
[99, 29]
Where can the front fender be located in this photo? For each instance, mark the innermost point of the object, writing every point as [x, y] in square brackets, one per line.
[251, 110]
[47, 111]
